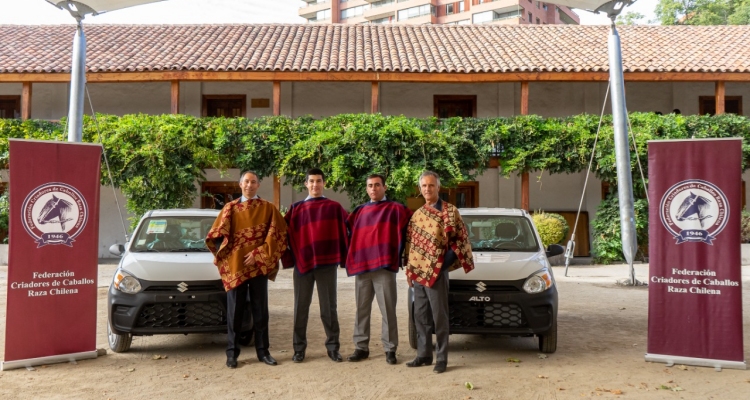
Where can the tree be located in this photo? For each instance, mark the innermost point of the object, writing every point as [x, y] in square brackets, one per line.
[703, 12]
[630, 18]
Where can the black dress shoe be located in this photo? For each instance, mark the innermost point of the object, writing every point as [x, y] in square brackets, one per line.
[298, 356]
[268, 360]
[358, 355]
[419, 361]
[440, 367]
[231, 362]
[335, 355]
[390, 357]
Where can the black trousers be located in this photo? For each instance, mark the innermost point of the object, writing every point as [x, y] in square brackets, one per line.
[256, 290]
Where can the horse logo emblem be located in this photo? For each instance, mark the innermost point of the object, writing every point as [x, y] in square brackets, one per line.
[54, 213]
[694, 210]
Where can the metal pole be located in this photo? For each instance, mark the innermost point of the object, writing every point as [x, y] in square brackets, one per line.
[622, 151]
[77, 85]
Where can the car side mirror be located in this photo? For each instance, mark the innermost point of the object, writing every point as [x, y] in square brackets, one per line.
[554, 250]
[117, 249]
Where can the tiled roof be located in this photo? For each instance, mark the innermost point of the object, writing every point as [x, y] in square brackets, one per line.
[380, 48]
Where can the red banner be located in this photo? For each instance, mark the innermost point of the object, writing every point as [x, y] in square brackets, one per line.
[52, 265]
[695, 285]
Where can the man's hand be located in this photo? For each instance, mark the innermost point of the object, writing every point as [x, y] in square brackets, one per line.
[410, 282]
[249, 260]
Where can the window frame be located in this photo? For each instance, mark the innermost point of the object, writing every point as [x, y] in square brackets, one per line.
[207, 97]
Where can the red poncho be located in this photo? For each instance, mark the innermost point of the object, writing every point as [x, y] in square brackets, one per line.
[318, 235]
[378, 236]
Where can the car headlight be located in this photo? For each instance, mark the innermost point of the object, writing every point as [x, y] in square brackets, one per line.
[538, 282]
[126, 282]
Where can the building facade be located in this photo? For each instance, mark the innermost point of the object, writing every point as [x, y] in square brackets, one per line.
[418, 12]
[418, 71]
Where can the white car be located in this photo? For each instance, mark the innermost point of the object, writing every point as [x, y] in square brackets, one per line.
[166, 282]
[511, 290]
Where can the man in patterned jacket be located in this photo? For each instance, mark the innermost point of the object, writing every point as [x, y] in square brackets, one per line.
[437, 242]
[247, 240]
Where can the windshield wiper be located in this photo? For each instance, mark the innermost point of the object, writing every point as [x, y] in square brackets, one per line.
[483, 249]
[146, 251]
[189, 249]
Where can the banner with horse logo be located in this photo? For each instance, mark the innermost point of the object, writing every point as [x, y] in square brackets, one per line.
[695, 283]
[53, 243]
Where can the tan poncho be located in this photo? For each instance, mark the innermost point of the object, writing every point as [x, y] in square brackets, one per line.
[428, 236]
[254, 227]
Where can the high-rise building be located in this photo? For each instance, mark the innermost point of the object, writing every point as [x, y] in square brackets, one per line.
[417, 12]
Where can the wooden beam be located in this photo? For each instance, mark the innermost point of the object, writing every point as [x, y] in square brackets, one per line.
[175, 97]
[375, 98]
[277, 112]
[524, 98]
[359, 76]
[525, 191]
[26, 101]
[720, 97]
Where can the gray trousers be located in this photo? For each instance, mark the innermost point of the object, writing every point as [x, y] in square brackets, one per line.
[431, 304]
[380, 284]
[303, 290]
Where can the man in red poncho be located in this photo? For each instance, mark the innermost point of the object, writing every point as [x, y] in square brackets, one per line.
[247, 240]
[318, 242]
[378, 230]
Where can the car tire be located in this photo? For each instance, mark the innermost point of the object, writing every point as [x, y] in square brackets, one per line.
[412, 329]
[118, 343]
[548, 341]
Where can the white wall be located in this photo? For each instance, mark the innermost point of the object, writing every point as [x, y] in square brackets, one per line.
[129, 98]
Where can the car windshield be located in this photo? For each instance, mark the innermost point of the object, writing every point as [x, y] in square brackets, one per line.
[165, 234]
[500, 233]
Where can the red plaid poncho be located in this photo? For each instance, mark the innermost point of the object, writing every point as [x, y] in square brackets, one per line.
[378, 236]
[318, 235]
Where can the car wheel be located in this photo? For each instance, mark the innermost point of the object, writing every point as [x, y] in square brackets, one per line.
[118, 343]
[412, 329]
[548, 341]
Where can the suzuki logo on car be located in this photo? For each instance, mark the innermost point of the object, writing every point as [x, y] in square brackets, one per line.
[479, 298]
[481, 287]
[182, 287]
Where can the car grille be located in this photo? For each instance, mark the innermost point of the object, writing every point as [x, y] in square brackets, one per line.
[182, 315]
[488, 315]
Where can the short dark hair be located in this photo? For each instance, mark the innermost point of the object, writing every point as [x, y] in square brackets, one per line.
[249, 171]
[373, 176]
[315, 171]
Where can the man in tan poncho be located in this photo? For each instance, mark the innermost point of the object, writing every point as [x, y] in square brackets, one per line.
[437, 242]
[247, 240]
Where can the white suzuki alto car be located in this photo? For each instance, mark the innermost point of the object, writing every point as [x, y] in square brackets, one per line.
[166, 282]
[511, 290]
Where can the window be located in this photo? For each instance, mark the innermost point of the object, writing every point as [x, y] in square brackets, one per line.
[215, 194]
[415, 12]
[530, 19]
[544, 7]
[381, 3]
[448, 9]
[10, 106]
[230, 106]
[537, 21]
[353, 12]
[538, 5]
[386, 20]
[448, 106]
[323, 14]
[732, 105]
[489, 16]
[461, 5]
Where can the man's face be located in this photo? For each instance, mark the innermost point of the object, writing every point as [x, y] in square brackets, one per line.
[249, 185]
[375, 189]
[315, 185]
[429, 188]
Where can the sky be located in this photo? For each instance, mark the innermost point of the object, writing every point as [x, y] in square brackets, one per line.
[33, 12]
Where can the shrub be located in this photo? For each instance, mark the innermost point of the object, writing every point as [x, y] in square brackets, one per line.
[566, 228]
[550, 228]
[745, 227]
[607, 244]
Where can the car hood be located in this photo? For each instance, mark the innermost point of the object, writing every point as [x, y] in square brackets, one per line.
[171, 266]
[503, 266]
